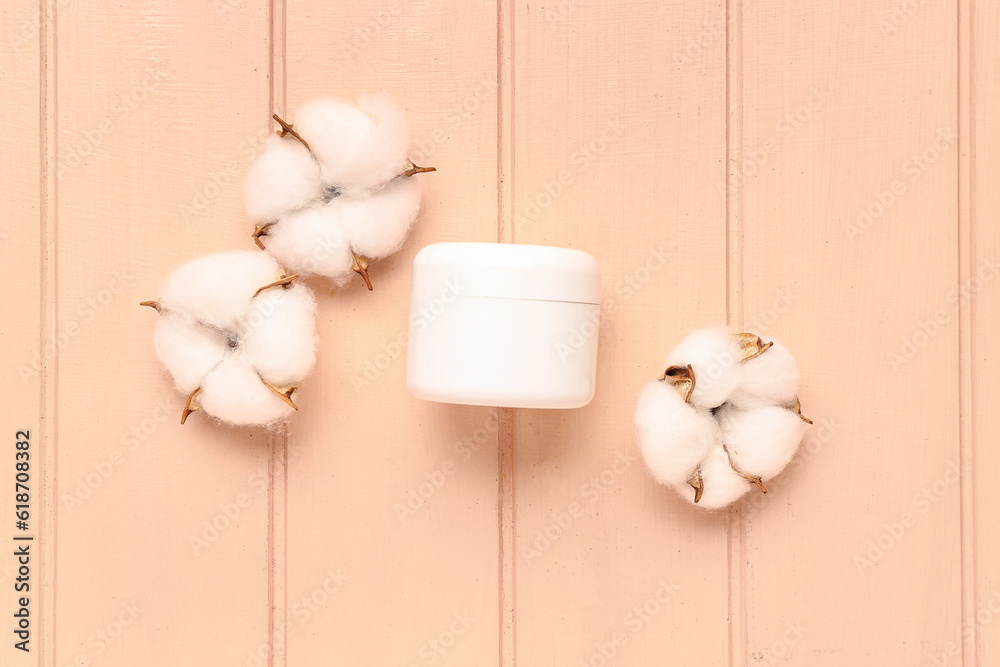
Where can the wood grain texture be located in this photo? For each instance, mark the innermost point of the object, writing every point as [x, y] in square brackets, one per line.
[626, 167]
[396, 494]
[850, 207]
[978, 297]
[22, 338]
[162, 529]
[822, 174]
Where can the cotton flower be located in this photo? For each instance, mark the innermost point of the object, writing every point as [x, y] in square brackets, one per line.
[724, 416]
[236, 335]
[673, 435]
[333, 191]
[714, 357]
[358, 148]
[284, 178]
[338, 237]
[760, 441]
[718, 484]
[769, 378]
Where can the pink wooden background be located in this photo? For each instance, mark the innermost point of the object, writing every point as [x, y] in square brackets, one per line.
[824, 173]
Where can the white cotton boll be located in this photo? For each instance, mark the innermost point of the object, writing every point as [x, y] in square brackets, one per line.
[714, 356]
[234, 393]
[721, 484]
[358, 149]
[284, 178]
[761, 441]
[770, 378]
[279, 338]
[218, 337]
[187, 349]
[673, 436]
[377, 226]
[216, 289]
[309, 241]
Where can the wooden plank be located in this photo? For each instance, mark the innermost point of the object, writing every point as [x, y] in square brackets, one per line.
[24, 342]
[619, 146]
[162, 529]
[977, 296]
[396, 495]
[848, 203]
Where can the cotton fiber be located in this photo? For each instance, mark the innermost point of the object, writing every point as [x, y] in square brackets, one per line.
[723, 418]
[377, 226]
[336, 189]
[770, 378]
[312, 242]
[284, 178]
[237, 335]
[674, 436]
[358, 149]
[719, 484]
[761, 441]
[714, 356]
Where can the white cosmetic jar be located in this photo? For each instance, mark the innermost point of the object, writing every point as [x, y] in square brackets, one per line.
[504, 325]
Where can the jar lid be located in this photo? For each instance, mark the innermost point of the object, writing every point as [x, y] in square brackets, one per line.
[512, 271]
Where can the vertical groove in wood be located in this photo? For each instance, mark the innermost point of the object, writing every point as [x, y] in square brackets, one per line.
[736, 534]
[505, 121]
[277, 524]
[966, 261]
[49, 323]
[983, 58]
[277, 545]
[506, 417]
[507, 464]
[808, 205]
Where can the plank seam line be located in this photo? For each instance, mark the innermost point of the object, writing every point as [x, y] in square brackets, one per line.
[277, 440]
[736, 533]
[966, 114]
[48, 315]
[506, 417]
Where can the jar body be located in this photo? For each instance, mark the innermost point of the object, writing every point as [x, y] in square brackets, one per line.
[478, 337]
